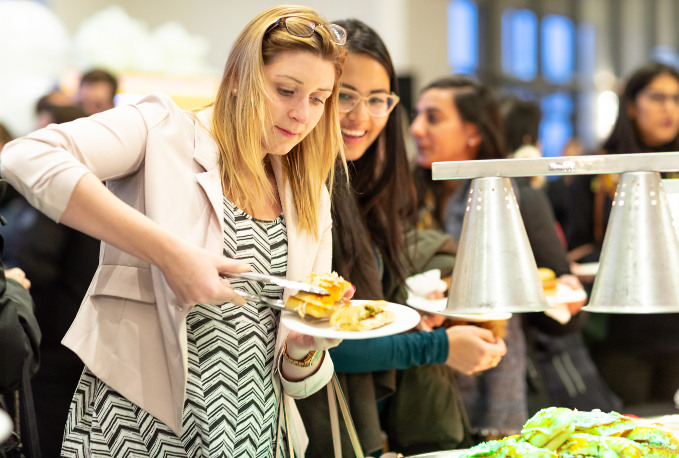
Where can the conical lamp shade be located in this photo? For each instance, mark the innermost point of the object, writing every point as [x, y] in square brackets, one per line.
[495, 270]
[639, 263]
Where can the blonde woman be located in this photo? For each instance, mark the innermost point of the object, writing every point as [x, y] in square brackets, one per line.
[176, 363]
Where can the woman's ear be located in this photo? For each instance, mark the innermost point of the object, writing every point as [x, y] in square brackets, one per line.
[631, 110]
[473, 138]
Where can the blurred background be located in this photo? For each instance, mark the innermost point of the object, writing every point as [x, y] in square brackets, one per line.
[566, 54]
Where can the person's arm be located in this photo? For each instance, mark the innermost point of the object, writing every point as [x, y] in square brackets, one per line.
[538, 218]
[192, 273]
[399, 351]
[60, 170]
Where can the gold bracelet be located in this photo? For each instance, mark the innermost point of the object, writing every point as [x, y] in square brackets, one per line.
[307, 361]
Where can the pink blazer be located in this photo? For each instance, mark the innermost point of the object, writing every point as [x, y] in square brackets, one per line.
[131, 329]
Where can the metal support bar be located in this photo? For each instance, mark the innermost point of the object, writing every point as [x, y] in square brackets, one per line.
[571, 165]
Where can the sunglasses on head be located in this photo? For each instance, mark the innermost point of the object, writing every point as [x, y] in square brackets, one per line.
[304, 28]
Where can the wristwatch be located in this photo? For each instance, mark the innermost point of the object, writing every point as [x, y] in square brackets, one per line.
[308, 361]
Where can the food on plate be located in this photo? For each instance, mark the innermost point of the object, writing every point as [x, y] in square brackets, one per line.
[362, 317]
[321, 306]
[603, 424]
[512, 446]
[558, 432]
[654, 439]
[549, 280]
[586, 445]
[549, 428]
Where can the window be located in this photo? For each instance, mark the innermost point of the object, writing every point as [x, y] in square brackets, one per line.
[557, 48]
[556, 127]
[463, 46]
[519, 43]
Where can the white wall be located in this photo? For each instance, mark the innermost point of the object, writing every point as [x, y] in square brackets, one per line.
[402, 24]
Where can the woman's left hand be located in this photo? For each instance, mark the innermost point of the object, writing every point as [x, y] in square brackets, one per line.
[300, 344]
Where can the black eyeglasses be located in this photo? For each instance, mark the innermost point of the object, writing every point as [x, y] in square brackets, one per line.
[304, 28]
[379, 104]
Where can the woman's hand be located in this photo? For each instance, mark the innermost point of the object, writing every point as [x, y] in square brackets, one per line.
[196, 276]
[300, 344]
[473, 349]
[429, 322]
[573, 283]
[298, 347]
[19, 276]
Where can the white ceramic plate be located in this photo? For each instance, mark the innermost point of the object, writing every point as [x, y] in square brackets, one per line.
[586, 269]
[437, 305]
[5, 426]
[406, 318]
[565, 294]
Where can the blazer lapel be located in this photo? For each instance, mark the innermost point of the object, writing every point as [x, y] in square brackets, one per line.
[300, 242]
[206, 154]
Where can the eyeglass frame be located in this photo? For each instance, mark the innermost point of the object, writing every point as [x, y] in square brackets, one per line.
[366, 98]
[330, 27]
[661, 98]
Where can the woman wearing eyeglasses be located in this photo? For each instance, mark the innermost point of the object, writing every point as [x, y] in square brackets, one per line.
[176, 363]
[371, 221]
[637, 355]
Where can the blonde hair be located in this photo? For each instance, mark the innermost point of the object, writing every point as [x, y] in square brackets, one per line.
[240, 116]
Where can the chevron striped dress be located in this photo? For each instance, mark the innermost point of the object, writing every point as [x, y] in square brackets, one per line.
[230, 408]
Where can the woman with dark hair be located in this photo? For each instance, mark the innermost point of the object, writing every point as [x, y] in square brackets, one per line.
[638, 355]
[646, 123]
[457, 119]
[470, 128]
[372, 219]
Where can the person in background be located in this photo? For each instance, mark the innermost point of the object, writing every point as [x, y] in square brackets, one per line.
[521, 122]
[176, 361]
[14, 273]
[55, 107]
[61, 262]
[457, 118]
[556, 349]
[635, 353]
[96, 91]
[5, 136]
[558, 187]
[372, 219]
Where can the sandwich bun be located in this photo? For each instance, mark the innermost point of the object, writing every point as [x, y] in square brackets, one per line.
[586, 445]
[549, 428]
[601, 423]
[655, 437]
[316, 305]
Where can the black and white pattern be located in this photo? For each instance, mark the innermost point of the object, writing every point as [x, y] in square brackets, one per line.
[230, 408]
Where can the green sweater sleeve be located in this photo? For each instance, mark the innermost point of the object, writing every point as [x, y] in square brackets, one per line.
[399, 351]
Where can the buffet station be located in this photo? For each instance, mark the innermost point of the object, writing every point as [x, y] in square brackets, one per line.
[638, 273]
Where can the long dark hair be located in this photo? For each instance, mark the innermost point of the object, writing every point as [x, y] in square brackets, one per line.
[476, 104]
[625, 136]
[380, 204]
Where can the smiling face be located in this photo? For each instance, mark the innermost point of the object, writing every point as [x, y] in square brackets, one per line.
[299, 83]
[439, 131]
[366, 76]
[656, 111]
